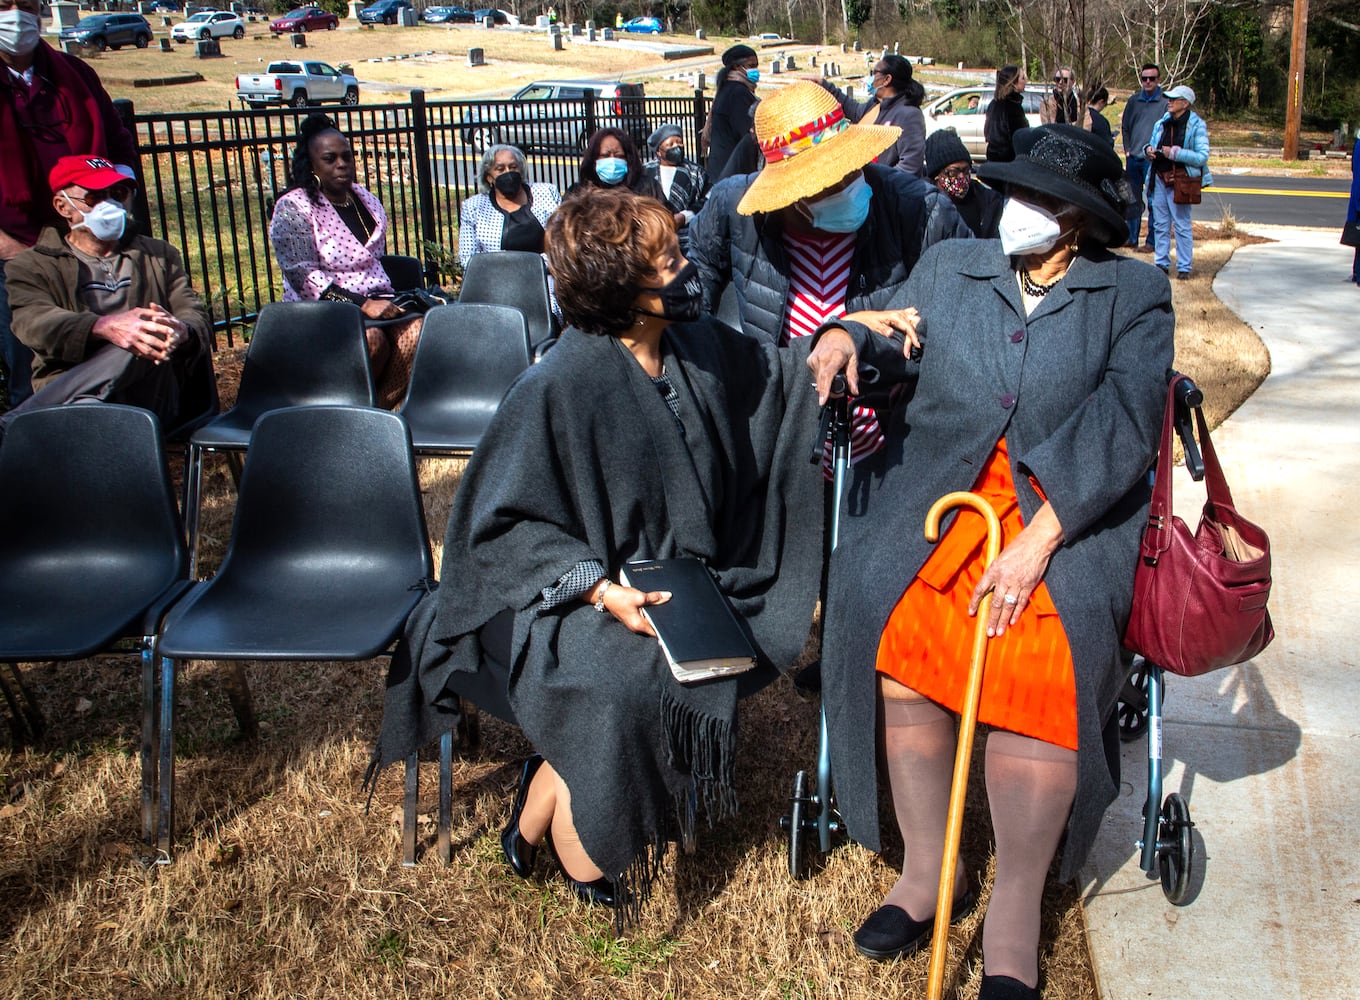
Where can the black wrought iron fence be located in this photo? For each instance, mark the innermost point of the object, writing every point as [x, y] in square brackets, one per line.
[210, 179]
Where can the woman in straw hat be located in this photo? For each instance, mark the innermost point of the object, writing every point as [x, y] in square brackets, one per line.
[821, 231]
[1045, 394]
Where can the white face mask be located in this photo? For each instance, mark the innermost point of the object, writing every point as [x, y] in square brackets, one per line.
[19, 31]
[106, 221]
[1027, 229]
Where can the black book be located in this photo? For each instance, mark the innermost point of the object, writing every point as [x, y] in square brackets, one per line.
[698, 629]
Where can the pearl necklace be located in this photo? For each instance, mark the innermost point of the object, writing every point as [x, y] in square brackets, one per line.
[1035, 290]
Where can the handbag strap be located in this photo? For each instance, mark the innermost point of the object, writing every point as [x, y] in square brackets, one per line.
[1156, 536]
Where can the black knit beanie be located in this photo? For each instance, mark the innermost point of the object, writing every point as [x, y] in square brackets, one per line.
[736, 54]
[944, 147]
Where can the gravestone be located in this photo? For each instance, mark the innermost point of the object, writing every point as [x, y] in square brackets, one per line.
[166, 20]
[699, 80]
[576, 30]
[476, 57]
[299, 39]
[556, 42]
[843, 48]
[590, 34]
[64, 15]
[858, 47]
[789, 64]
[590, 25]
[776, 67]
[814, 62]
[541, 21]
[896, 46]
[701, 34]
[608, 34]
[489, 21]
[208, 48]
[166, 46]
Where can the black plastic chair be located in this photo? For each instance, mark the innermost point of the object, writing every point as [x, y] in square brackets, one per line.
[328, 555]
[91, 548]
[467, 357]
[513, 278]
[404, 272]
[301, 353]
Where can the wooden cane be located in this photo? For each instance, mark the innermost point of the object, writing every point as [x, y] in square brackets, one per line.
[963, 757]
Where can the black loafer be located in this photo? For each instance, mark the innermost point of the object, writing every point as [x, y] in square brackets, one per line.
[1005, 988]
[890, 932]
[519, 853]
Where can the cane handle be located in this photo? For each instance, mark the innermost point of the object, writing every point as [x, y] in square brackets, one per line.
[963, 755]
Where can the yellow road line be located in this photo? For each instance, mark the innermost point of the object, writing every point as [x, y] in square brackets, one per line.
[1216, 188]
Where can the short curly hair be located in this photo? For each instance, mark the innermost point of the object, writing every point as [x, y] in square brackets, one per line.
[600, 245]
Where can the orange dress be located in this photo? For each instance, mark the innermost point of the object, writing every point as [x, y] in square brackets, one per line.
[1029, 686]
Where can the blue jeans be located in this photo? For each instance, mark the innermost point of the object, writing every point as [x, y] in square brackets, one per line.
[18, 358]
[1171, 216]
[1138, 169]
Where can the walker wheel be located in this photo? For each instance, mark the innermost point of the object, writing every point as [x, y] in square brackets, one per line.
[794, 824]
[1175, 848]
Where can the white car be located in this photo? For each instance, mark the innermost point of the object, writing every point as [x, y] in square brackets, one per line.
[965, 111]
[209, 24]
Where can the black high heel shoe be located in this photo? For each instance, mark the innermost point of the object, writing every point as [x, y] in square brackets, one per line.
[600, 891]
[519, 853]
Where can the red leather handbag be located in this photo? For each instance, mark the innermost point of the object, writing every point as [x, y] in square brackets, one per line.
[1199, 599]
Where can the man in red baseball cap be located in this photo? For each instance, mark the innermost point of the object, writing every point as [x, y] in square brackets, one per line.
[109, 314]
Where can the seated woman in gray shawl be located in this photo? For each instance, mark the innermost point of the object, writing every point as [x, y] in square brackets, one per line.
[646, 432]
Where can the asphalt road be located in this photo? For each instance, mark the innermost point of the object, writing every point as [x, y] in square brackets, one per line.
[1311, 202]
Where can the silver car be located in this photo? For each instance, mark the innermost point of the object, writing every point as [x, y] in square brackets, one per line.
[965, 111]
[550, 114]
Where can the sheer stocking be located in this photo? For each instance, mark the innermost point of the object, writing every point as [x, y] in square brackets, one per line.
[919, 742]
[401, 339]
[548, 806]
[1030, 788]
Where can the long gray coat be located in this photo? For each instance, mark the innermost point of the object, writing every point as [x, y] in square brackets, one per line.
[1078, 390]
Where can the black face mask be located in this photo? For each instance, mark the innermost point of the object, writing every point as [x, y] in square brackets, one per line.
[509, 183]
[682, 298]
[674, 156]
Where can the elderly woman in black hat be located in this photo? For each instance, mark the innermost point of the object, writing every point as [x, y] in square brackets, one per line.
[729, 119]
[683, 183]
[1045, 396]
[949, 166]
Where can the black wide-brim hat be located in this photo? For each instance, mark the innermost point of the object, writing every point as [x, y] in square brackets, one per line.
[1074, 166]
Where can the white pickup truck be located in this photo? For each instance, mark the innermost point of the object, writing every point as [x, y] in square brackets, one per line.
[297, 84]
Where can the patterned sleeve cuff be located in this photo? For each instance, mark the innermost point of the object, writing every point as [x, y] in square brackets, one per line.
[572, 584]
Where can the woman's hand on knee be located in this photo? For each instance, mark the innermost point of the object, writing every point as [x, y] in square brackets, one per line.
[380, 309]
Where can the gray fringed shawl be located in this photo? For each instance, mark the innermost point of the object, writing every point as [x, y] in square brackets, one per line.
[584, 460]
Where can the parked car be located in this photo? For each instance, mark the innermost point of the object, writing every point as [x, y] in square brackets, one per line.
[447, 15]
[165, 7]
[109, 31]
[497, 16]
[209, 24]
[305, 19]
[297, 84]
[384, 12]
[550, 114]
[956, 110]
[643, 26]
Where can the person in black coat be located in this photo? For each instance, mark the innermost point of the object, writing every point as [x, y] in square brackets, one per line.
[1006, 114]
[1096, 106]
[730, 117]
[949, 166]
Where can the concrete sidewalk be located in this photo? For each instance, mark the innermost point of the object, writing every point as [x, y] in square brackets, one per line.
[1268, 752]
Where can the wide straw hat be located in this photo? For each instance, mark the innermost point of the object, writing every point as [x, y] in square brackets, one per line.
[809, 145]
[1074, 166]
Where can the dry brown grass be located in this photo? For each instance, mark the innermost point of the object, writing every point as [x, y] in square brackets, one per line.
[283, 886]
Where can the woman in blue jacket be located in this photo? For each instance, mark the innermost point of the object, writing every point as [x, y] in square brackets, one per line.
[1179, 139]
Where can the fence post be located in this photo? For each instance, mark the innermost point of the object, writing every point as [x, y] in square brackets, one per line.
[141, 205]
[592, 125]
[700, 119]
[420, 125]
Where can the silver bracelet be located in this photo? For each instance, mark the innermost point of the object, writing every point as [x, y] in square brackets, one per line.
[599, 598]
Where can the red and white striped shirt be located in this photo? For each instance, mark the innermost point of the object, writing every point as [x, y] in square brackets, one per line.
[819, 276]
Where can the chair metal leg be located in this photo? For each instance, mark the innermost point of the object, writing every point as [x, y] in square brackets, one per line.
[238, 693]
[27, 724]
[149, 732]
[165, 834]
[409, 811]
[445, 848]
[235, 465]
[193, 499]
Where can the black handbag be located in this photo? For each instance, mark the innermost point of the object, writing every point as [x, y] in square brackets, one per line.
[1350, 234]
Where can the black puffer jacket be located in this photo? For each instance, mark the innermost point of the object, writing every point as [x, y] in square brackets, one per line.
[906, 215]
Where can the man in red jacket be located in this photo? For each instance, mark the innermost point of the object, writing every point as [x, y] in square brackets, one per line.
[51, 105]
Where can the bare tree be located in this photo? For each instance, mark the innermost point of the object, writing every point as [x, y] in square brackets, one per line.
[1077, 33]
[1165, 32]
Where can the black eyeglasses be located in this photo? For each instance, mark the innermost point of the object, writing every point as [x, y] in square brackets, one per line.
[1148, 79]
[1062, 79]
